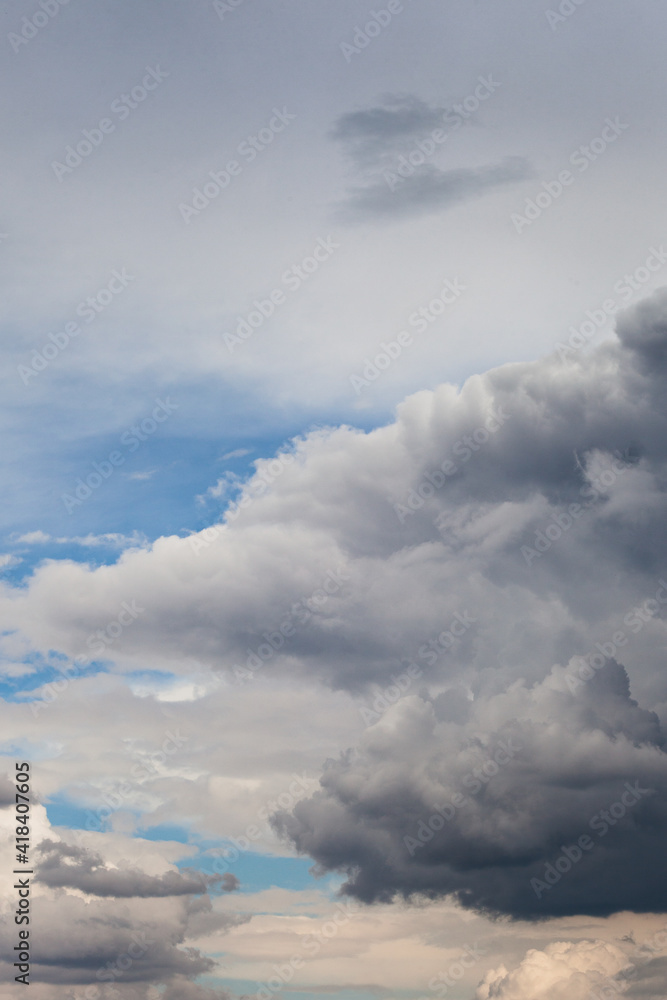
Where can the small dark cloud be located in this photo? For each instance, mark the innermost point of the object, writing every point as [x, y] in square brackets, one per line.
[385, 145]
[429, 188]
[380, 130]
[65, 866]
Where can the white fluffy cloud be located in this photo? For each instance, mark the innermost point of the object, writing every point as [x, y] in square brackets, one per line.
[563, 971]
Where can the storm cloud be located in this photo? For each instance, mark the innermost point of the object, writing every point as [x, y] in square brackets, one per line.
[484, 811]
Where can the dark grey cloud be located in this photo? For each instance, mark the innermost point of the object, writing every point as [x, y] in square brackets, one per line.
[532, 771]
[113, 942]
[643, 330]
[373, 132]
[589, 430]
[429, 187]
[645, 980]
[64, 865]
[7, 792]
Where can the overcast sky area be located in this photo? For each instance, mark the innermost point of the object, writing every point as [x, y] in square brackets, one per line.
[333, 567]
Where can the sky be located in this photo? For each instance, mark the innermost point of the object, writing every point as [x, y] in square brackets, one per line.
[333, 578]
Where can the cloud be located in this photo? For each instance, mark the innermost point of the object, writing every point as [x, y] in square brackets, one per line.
[643, 330]
[563, 971]
[7, 792]
[184, 989]
[114, 539]
[390, 146]
[429, 187]
[34, 538]
[370, 133]
[131, 930]
[582, 970]
[141, 476]
[83, 869]
[78, 939]
[481, 810]
[367, 553]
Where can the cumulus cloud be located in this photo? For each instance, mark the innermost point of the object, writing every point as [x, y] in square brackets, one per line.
[563, 971]
[584, 969]
[529, 504]
[115, 942]
[481, 810]
[104, 922]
